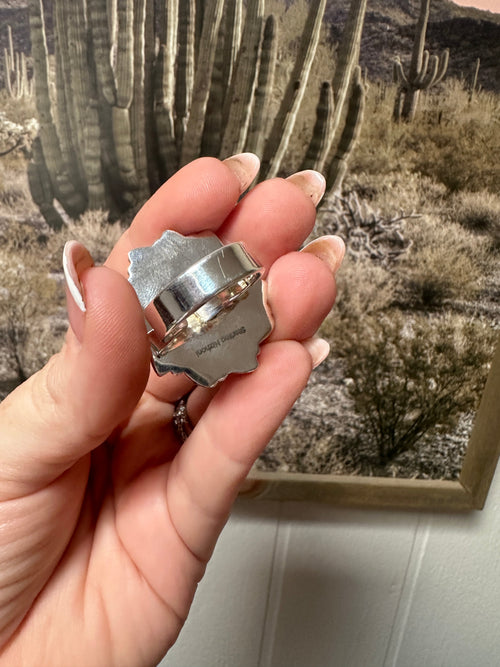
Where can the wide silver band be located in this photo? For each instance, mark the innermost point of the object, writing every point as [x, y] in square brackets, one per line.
[191, 302]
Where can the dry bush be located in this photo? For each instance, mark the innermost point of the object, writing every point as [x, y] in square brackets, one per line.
[410, 377]
[402, 191]
[364, 289]
[97, 234]
[15, 198]
[478, 212]
[30, 327]
[444, 262]
[452, 142]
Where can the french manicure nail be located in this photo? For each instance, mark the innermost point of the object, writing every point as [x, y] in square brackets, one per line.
[311, 182]
[318, 348]
[245, 166]
[330, 249]
[76, 259]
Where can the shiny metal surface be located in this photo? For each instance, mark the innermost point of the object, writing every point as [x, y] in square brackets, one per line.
[203, 305]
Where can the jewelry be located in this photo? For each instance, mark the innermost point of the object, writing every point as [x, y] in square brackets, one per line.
[203, 305]
[183, 426]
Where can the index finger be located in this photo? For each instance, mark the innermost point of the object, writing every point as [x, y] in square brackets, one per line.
[199, 197]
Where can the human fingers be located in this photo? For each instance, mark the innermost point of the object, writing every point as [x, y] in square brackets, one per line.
[237, 425]
[187, 501]
[300, 293]
[197, 198]
[75, 402]
[272, 219]
[276, 216]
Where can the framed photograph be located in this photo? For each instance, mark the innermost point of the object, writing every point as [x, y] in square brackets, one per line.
[102, 100]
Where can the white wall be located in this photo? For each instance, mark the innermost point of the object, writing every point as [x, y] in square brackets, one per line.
[300, 585]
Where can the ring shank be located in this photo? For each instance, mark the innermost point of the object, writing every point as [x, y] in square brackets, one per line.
[191, 302]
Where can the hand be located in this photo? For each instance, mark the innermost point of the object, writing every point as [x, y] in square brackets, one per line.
[107, 522]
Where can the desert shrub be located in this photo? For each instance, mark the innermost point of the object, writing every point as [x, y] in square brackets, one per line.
[94, 230]
[363, 288]
[478, 212]
[30, 326]
[455, 155]
[412, 377]
[452, 142]
[404, 192]
[444, 262]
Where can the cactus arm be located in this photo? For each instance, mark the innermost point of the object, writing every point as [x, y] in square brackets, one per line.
[419, 41]
[264, 90]
[212, 128]
[399, 75]
[164, 86]
[322, 127]
[149, 120]
[349, 135]
[137, 107]
[41, 187]
[10, 43]
[191, 144]
[430, 76]
[347, 61]
[124, 71]
[7, 73]
[423, 72]
[184, 80]
[287, 114]
[443, 66]
[102, 49]
[233, 28]
[241, 94]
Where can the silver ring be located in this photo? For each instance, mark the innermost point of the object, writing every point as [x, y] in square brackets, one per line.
[190, 303]
[183, 426]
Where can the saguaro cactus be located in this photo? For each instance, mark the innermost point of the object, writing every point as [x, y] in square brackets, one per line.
[143, 87]
[424, 71]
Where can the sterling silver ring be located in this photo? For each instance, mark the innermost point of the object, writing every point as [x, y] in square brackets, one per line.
[203, 303]
[190, 303]
[183, 426]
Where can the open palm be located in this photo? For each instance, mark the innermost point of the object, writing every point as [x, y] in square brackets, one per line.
[107, 522]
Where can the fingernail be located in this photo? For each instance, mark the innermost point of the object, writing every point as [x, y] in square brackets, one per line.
[330, 249]
[311, 182]
[76, 259]
[245, 166]
[318, 348]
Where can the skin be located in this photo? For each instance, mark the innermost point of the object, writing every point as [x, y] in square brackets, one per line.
[106, 522]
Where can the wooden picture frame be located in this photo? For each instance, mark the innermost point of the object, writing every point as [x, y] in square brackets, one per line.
[468, 493]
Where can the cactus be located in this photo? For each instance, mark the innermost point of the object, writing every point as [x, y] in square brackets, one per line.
[424, 72]
[142, 87]
[241, 93]
[287, 115]
[257, 132]
[191, 144]
[349, 135]
[322, 127]
[16, 79]
[473, 85]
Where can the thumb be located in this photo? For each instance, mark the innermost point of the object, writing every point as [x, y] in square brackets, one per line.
[75, 402]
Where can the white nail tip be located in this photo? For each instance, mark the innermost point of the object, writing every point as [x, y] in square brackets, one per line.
[71, 275]
[318, 348]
